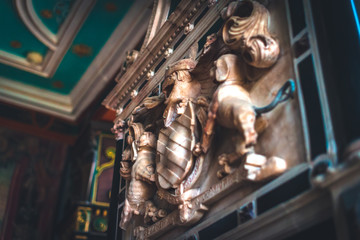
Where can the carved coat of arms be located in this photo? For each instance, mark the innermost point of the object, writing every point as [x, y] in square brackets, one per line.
[173, 136]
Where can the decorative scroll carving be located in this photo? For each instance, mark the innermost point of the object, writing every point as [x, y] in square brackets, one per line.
[246, 32]
[184, 124]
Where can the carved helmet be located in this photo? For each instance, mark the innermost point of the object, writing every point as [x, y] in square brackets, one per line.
[183, 64]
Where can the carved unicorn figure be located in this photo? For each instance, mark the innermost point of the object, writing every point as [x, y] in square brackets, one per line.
[246, 33]
[231, 107]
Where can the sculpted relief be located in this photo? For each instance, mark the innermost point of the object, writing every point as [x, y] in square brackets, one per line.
[176, 161]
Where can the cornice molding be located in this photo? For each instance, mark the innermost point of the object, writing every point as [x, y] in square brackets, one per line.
[21, 63]
[153, 53]
[169, 33]
[16, 92]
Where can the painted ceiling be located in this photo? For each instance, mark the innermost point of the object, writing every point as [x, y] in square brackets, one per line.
[57, 55]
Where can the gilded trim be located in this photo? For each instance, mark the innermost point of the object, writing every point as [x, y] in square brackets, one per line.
[100, 168]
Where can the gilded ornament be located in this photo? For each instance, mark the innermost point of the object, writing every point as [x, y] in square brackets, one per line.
[100, 224]
[58, 84]
[134, 93]
[150, 74]
[82, 50]
[46, 13]
[34, 58]
[110, 7]
[131, 57]
[188, 28]
[119, 111]
[83, 219]
[168, 52]
[15, 44]
[110, 152]
[97, 212]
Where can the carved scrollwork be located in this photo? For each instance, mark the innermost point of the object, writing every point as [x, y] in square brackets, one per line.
[246, 31]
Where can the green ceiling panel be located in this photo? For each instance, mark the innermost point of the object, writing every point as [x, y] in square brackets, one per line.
[52, 12]
[92, 36]
[15, 37]
[96, 30]
[25, 77]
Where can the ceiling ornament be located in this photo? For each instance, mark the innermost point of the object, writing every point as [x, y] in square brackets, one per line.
[15, 44]
[58, 43]
[82, 50]
[58, 84]
[110, 7]
[62, 8]
[46, 13]
[34, 58]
